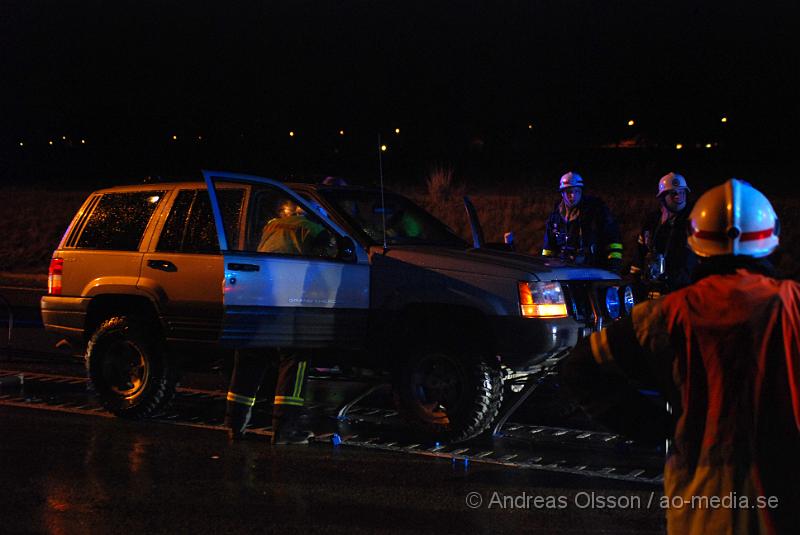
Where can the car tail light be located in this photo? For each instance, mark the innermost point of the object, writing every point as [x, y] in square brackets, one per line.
[542, 300]
[54, 276]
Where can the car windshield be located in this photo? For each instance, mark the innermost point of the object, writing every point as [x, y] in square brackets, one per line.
[406, 223]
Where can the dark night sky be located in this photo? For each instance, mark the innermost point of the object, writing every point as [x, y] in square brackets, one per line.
[147, 68]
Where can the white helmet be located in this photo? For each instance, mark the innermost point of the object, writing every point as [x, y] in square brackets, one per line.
[669, 182]
[733, 218]
[570, 180]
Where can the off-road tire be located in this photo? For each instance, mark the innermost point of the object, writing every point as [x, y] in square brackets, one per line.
[128, 368]
[480, 394]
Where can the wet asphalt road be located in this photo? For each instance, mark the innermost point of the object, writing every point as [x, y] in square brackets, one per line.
[72, 473]
[65, 473]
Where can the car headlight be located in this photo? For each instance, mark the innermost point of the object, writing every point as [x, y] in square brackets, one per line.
[612, 302]
[628, 299]
[542, 300]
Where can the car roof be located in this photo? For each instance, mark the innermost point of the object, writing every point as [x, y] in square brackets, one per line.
[149, 186]
[296, 186]
[324, 187]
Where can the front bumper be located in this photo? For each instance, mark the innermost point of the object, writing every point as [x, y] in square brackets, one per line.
[525, 342]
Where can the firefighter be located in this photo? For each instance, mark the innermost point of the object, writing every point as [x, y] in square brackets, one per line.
[581, 229]
[663, 261]
[724, 352]
[292, 232]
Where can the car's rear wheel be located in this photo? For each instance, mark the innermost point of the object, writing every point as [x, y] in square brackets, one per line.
[449, 395]
[128, 368]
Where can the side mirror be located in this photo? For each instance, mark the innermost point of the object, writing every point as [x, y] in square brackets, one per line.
[346, 249]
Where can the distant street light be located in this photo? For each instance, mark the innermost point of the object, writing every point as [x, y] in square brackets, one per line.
[50, 142]
[21, 144]
[174, 138]
[396, 130]
[679, 146]
[724, 120]
[530, 126]
[631, 122]
[341, 132]
[291, 133]
[83, 142]
[383, 148]
[708, 145]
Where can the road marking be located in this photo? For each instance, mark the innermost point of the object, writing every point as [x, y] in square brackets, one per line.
[77, 379]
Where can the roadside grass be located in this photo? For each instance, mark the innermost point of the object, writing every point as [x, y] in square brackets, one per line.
[32, 221]
[31, 224]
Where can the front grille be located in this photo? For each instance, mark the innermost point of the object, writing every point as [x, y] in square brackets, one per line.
[586, 302]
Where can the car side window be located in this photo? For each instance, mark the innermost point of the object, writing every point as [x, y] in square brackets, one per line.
[118, 221]
[277, 224]
[174, 231]
[190, 227]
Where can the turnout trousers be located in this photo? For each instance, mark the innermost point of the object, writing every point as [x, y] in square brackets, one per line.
[249, 370]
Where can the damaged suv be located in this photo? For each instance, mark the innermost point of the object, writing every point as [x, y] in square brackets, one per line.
[150, 277]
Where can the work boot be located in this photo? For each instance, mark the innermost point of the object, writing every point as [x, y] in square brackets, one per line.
[291, 436]
[286, 428]
[236, 419]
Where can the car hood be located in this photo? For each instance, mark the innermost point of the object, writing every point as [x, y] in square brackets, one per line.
[496, 263]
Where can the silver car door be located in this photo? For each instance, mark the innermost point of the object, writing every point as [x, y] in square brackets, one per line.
[285, 283]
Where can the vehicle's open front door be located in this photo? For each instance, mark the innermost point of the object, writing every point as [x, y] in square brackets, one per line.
[293, 278]
[474, 223]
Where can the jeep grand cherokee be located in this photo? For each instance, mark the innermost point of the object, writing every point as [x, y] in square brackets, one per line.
[150, 277]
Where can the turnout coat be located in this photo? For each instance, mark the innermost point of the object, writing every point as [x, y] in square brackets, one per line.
[725, 354]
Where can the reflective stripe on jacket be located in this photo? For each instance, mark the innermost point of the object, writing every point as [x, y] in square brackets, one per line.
[594, 234]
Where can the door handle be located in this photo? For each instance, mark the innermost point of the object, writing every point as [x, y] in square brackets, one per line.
[162, 265]
[243, 267]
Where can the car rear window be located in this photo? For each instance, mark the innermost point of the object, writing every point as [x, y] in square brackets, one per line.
[118, 221]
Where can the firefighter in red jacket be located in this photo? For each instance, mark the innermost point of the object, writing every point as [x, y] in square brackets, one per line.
[725, 354]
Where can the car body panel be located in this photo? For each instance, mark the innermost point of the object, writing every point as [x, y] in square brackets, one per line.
[65, 315]
[83, 271]
[189, 311]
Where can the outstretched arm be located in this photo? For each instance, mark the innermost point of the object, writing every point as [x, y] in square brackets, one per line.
[604, 373]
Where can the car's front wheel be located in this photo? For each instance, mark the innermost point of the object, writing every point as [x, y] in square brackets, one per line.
[449, 395]
[128, 368]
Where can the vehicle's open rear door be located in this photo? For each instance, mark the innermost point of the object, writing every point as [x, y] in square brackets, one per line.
[286, 283]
